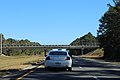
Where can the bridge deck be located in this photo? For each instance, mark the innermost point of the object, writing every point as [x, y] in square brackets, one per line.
[50, 46]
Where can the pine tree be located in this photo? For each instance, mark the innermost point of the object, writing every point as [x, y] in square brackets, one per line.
[109, 31]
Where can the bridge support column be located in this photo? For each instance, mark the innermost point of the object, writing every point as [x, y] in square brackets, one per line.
[82, 50]
[45, 52]
[1, 44]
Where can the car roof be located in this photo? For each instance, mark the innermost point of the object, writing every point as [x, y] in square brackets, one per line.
[59, 50]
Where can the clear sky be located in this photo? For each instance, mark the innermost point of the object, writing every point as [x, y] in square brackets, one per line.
[50, 21]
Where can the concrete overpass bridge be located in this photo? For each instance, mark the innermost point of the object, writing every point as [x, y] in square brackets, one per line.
[49, 46]
[45, 47]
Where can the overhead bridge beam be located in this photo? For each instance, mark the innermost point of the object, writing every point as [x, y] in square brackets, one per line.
[49, 46]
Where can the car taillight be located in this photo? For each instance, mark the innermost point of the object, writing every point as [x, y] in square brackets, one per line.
[48, 58]
[68, 58]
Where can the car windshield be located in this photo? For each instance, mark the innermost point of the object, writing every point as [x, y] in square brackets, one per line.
[58, 53]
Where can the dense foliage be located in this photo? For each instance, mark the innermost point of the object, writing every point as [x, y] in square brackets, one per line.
[87, 39]
[14, 42]
[109, 31]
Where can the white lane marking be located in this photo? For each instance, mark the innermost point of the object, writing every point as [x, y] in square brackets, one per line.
[80, 67]
[96, 78]
[21, 77]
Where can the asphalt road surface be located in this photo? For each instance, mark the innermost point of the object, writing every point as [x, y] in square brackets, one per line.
[83, 69]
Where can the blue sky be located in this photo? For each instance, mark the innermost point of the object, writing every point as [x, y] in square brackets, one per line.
[50, 21]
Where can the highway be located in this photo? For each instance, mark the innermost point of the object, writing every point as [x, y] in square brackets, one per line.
[83, 69]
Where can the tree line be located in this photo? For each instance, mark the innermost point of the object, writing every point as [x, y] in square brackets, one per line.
[108, 32]
[16, 52]
[84, 40]
[87, 39]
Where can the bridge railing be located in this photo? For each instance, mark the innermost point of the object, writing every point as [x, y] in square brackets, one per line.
[52, 46]
[81, 44]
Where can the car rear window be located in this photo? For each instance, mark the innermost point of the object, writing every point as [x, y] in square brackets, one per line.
[58, 53]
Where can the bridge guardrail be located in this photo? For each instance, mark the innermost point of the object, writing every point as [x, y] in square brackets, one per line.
[50, 46]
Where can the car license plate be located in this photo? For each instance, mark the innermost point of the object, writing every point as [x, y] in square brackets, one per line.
[57, 63]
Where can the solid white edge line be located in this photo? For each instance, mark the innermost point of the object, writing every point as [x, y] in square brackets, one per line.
[80, 67]
[96, 78]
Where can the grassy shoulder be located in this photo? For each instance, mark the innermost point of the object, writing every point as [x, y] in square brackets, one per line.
[98, 53]
[18, 62]
[10, 64]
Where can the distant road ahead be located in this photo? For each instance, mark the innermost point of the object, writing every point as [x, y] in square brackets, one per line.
[83, 69]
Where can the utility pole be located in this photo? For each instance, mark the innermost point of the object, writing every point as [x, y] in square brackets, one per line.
[1, 45]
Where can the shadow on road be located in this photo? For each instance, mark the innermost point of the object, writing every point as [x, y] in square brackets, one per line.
[15, 73]
[89, 71]
[8, 72]
[60, 74]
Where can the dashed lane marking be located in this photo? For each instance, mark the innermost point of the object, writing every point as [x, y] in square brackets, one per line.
[21, 77]
[25, 75]
[80, 67]
[96, 78]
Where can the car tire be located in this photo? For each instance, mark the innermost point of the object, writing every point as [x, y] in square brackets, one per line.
[46, 69]
[69, 68]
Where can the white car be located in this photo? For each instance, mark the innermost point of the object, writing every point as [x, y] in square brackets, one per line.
[58, 58]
